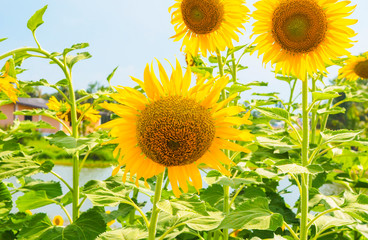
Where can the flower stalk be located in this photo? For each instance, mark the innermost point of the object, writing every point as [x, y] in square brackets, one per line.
[155, 209]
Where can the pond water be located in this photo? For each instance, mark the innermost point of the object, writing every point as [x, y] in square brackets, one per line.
[87, 174]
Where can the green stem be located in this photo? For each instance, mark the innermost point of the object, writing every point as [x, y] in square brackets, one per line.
[66, 213]
[305, 178]
[234, 67]
[62, 179]
[81, 203]
[291, 231]
[314, 115]
[132, 203]
[320, 215]
[132, 214]
[34, 36]
[155, 210]
[324, 122]
[290, 101]
[226, 207]
[170, 230]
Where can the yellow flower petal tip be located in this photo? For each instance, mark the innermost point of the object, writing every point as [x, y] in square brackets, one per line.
[176, 127]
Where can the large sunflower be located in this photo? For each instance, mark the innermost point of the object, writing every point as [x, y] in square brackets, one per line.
[8, 84]
[207, 25]
[301, 36]
[174, 127]
[356, 67]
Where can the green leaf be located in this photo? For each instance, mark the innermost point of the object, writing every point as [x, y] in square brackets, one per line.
[274, 113]
[215, 177]
[52, 233]
[339, 136]
[213, 195]
[71, 60]
[36, 20]
[293, 168]
[106, 193]
[111, 74]
[127, 233]
[335, 110]
[326, 222]
[52, 189]
[3, 39]
[318, 96]
[205, 223]
[87, 227]
[35, 228]
[75, 47]
[253, 214]
[6, 203]
[18, 167]
[280, 145]
[33, 200]
[235, 49]
[236, 87]
[356, 206]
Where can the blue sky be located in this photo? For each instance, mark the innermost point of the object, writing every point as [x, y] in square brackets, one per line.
[128, 34]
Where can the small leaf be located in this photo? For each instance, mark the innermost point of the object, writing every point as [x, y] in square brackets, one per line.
[275, 113]
[318, 96]
[3, 39]
[335, 110]
[71, 60]
[36, 20]
[235, 49]
[75, 47]
[253, 214]
[293, 168]
[111, 74]
[339, 136]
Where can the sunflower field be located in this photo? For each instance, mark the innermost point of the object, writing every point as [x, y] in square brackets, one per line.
[192, 158]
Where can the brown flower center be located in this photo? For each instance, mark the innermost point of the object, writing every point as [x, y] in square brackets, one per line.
[175, 131]
[202, 16]
[299, 26]
[361, 69]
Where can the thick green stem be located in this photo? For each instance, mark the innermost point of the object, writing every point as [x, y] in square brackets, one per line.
[305, 176]
[314, 115]
[290, 101]
[155, 210]
[75, 135]
[226, 207]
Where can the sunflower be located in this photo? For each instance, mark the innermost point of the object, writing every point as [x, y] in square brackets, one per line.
[174, 127]
[7, 84]
[207, 25]
[58, 220]
[302, 36]
[91, 114]
[356, 67]
[63, 110]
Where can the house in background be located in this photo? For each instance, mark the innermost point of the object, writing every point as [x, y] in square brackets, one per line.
[29, 103]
